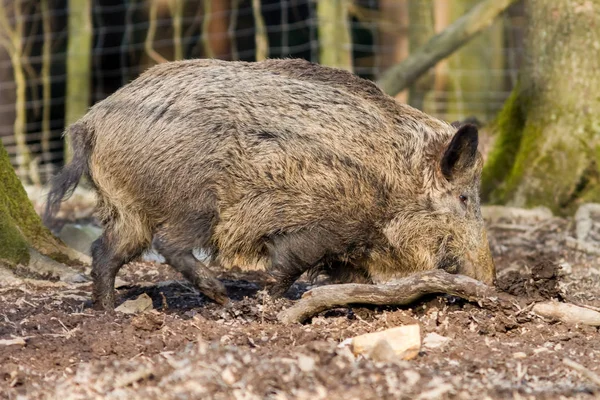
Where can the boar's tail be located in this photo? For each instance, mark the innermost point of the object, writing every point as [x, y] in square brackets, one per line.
[63, 184]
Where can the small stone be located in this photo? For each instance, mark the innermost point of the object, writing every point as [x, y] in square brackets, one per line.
[412, 377]
[433, 340]
[228, 376]
[142, 303]
[306, 363]
[519, 355]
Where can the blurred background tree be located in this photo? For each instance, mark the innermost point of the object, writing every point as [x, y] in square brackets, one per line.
[455, 59]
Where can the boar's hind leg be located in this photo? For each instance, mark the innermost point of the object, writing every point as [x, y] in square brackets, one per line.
[183, 260]
[107, 259]
[294, 253]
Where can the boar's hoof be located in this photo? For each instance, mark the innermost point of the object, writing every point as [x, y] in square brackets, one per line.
[278, 290]
[214, 290]
[105, 303]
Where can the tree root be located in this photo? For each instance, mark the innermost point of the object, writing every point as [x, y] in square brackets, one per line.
[401, 292]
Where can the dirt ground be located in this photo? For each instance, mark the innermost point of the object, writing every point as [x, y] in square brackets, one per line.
[188, 347]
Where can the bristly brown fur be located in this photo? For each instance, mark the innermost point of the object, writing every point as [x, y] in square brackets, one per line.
[308, 167]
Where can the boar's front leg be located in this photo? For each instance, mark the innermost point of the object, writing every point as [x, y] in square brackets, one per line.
[182, 259]
[294, 253]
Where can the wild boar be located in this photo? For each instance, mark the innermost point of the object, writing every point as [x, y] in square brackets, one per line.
[309, 168]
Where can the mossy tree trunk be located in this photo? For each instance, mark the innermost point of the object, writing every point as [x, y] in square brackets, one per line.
[21, 230]
[547, 151]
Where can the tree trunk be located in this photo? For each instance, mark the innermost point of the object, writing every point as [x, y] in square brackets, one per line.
[12, 40]
[217, 26]
[474, 70]
[261, 36]
[46, 88]
[79, 57]
[149, 42]
[548, 147]
[21, 231]
[393, 36]
[176, 10]
[335, 42]
[421, 30]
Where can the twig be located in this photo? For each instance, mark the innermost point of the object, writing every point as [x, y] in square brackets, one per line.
[592, 376]
[401, 292]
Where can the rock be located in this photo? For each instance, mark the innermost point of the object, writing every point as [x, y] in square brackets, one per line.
[433, 340]
[228, 376]
[76, 278]
[382, 352]
[584, 219]
[403, 341]
[142, 303]
[80, 237]
[493, 214]
[306, 363]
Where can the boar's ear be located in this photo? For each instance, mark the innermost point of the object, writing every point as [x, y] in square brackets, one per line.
[461, 153]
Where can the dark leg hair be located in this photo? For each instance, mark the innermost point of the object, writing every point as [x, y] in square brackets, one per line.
[294, 253]
[106, 263]
[182, 259]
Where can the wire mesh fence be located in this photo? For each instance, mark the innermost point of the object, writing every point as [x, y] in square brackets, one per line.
[58, 57]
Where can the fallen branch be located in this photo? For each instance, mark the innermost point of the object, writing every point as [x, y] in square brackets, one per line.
[400, 76]
[401, 292]
[568, 313]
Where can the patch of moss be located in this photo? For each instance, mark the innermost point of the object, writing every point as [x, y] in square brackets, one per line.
[509, 130]
[13, 247]
[14, 200]
[20, 225]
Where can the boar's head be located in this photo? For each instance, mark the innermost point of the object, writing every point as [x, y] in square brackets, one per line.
[444, 228]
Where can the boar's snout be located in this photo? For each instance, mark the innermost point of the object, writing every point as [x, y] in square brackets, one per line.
[479, 263]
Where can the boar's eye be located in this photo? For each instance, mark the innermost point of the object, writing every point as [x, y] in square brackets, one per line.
[464, 199]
